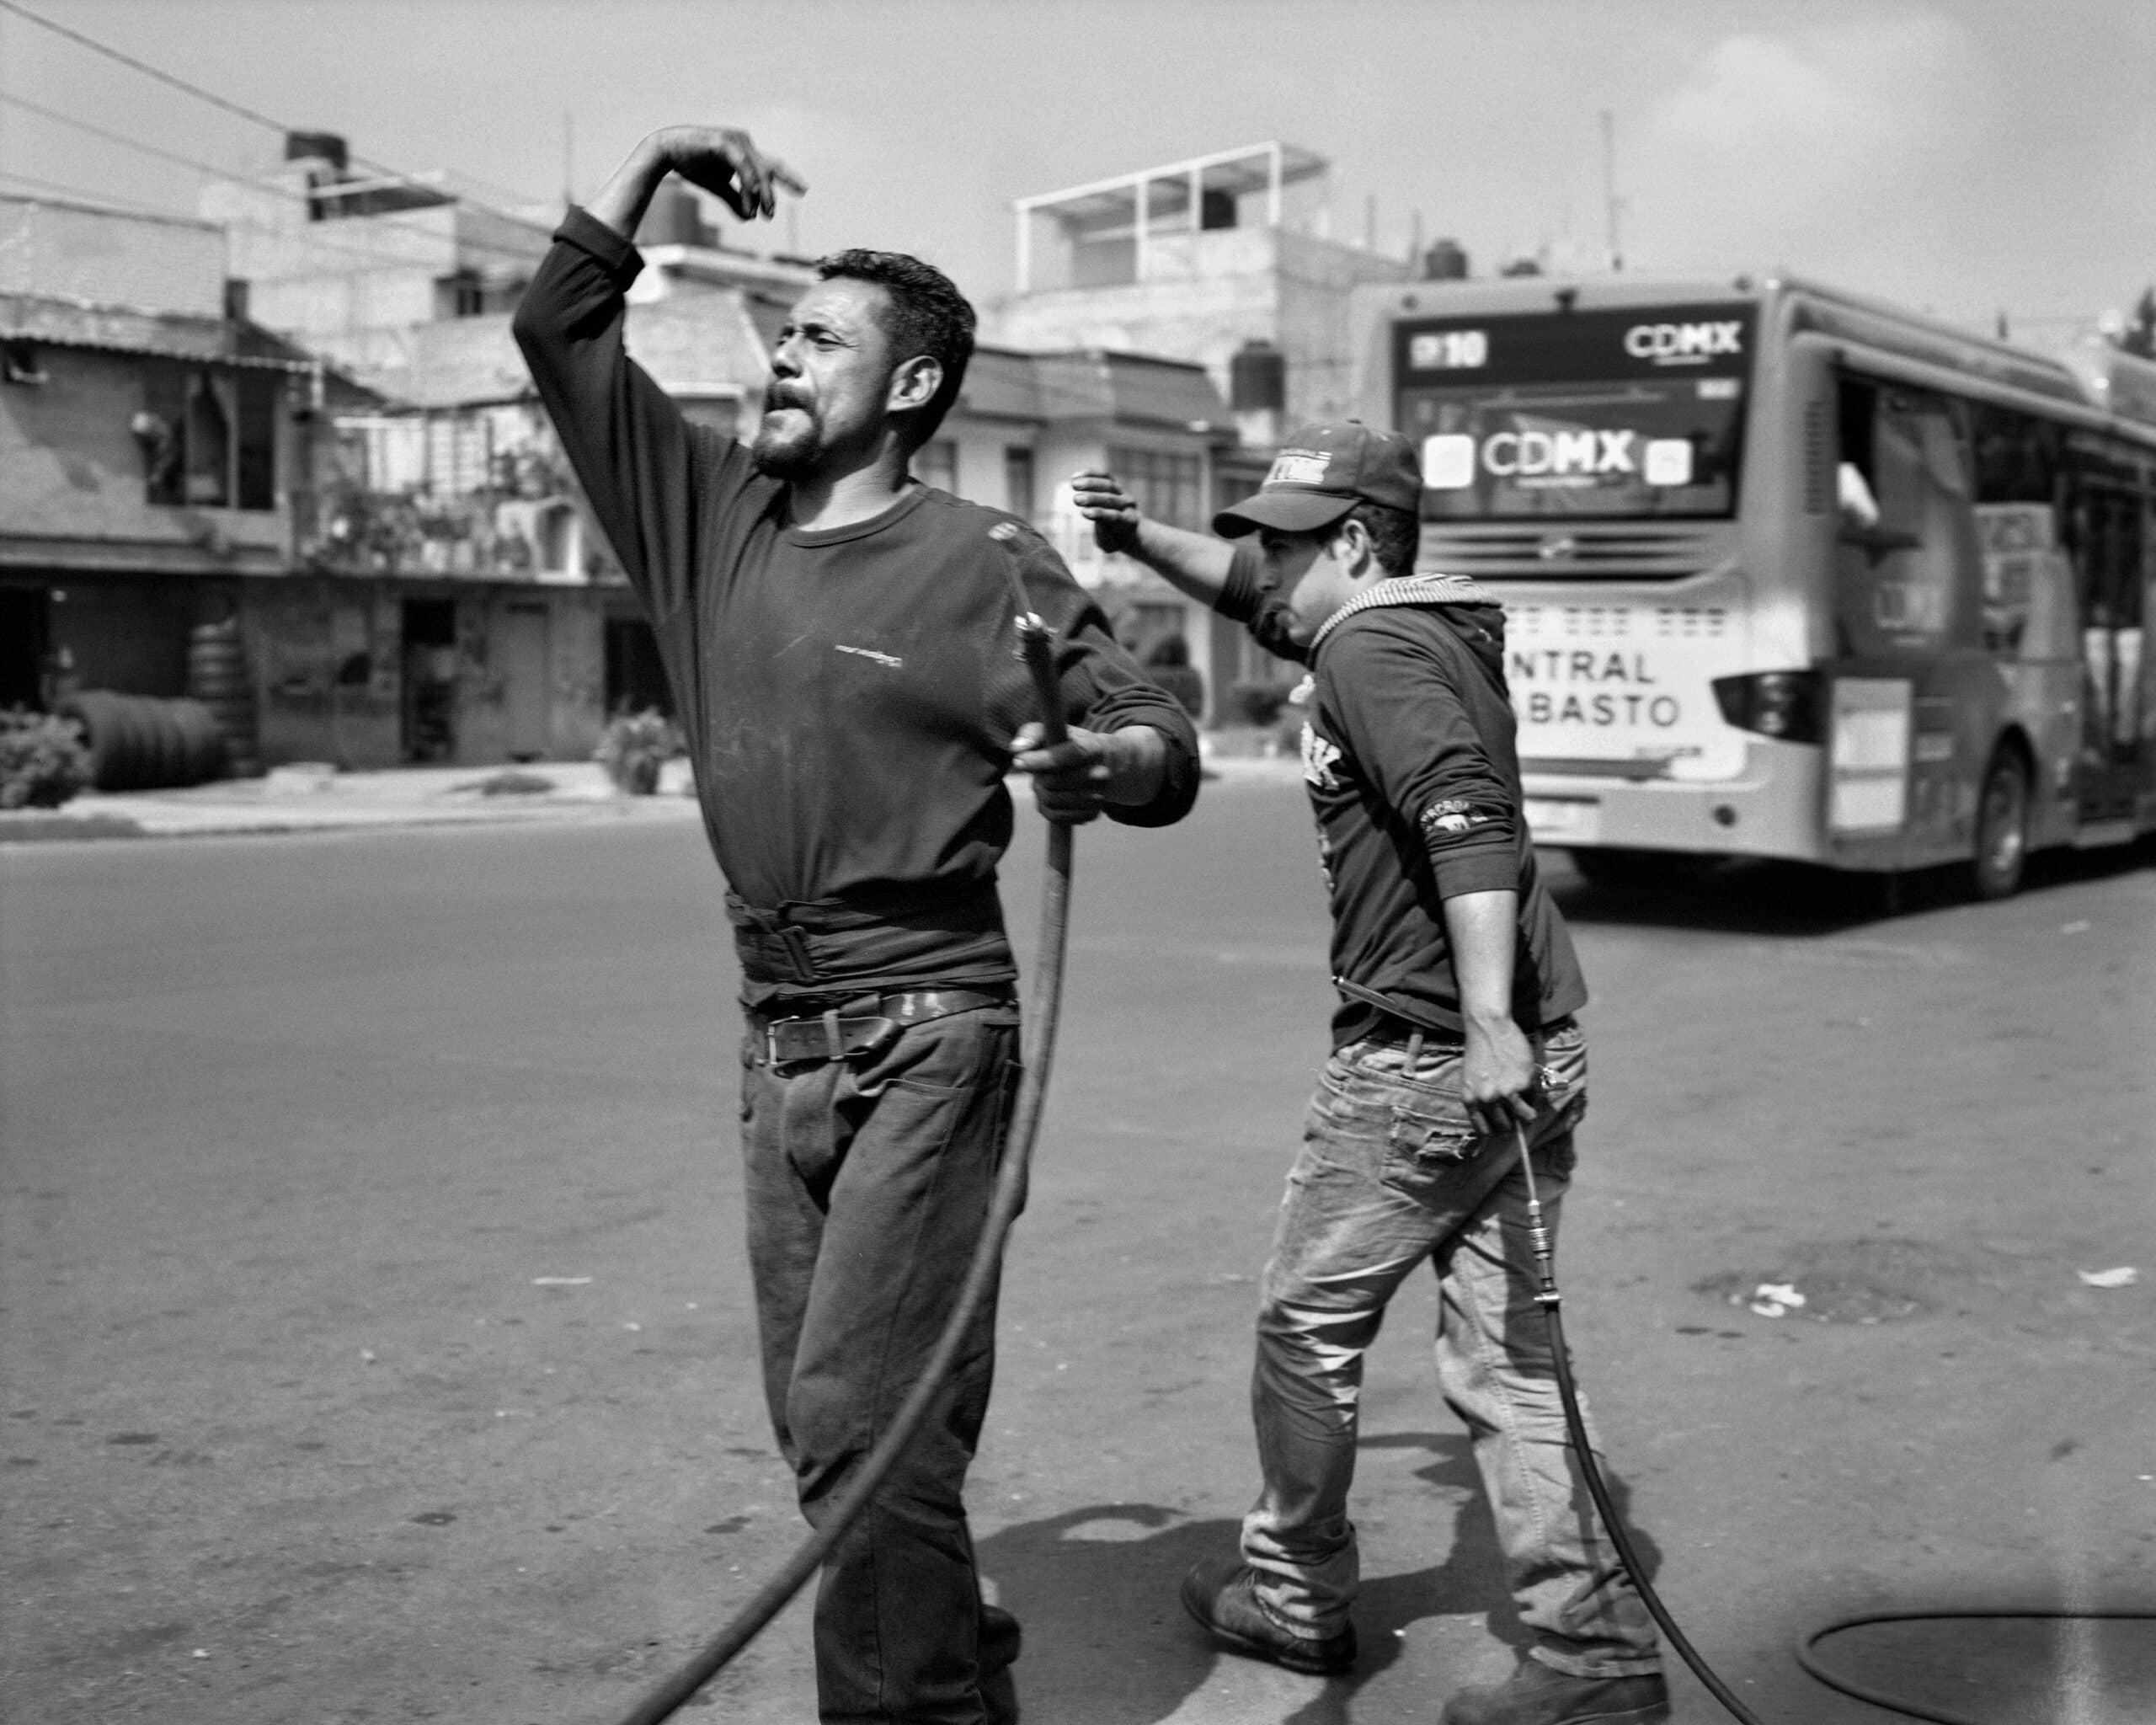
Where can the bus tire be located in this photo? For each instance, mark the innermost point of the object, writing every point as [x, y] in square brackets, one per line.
[2002, 852]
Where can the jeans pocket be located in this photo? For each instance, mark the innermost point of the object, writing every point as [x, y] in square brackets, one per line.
[1429, 1146]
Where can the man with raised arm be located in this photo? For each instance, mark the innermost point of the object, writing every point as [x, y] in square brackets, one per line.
[1454, 1030]
[839, 642]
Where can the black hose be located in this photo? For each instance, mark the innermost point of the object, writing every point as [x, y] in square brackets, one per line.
[1547, 1297]
[667, 1697]
[1807, 1656]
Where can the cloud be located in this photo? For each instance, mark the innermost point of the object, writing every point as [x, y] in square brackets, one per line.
[1833, 149]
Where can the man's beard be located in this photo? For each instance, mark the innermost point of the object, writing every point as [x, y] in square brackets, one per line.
[787, 454]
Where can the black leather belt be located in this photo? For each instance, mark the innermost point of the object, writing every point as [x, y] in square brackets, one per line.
[838, 1035]
[1393, 1030]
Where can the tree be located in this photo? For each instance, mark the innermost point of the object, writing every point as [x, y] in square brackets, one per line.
[2140, 337]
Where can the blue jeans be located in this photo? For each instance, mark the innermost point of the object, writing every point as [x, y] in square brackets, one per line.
[1392, 1174]
[867, 1186]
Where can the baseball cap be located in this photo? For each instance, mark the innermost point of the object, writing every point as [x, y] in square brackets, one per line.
[1320, 472]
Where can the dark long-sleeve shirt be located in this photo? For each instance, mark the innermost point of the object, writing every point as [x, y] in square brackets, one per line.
[1409, 759]
[849, 694]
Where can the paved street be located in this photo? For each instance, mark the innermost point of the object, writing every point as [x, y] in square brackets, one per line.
[378, 1343]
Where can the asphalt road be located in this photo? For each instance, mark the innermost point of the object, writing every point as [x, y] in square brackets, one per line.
[378, 1344]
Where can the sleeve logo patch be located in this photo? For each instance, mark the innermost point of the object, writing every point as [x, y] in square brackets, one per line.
[1452, 819]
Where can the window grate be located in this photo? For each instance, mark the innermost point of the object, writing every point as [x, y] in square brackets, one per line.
[1818, 461]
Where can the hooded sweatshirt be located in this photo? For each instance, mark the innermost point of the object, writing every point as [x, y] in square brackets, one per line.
[1408, 755]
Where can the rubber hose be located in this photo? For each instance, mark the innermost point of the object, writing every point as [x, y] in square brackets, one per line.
[1008, 1199]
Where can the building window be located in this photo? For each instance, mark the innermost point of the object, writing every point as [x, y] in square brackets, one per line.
[256, 452]
[207, 446]
[1165, 487]
[1018, 481]
[193, 453]
[936, 463]
[462, 294]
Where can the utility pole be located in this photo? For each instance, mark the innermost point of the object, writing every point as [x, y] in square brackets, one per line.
[1609, 186]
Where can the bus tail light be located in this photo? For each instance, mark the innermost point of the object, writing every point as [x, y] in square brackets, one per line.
[1780, 704]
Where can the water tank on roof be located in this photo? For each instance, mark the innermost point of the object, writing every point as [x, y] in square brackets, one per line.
[1445, 261]
[675, 218]
[1257, 378]
[317, 145]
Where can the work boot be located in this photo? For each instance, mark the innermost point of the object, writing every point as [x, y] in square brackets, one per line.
[1541, 1694]
[1222, 1594]
[997, 1651]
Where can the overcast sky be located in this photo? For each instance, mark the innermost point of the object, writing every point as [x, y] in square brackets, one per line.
[1970, 156]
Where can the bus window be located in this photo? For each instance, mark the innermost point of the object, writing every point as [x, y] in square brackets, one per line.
[1608, 414]
[2104, 532]
[2028, 607]
[1905, 579]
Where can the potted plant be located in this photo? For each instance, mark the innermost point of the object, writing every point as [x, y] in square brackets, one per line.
[42, 760]
[635, 747]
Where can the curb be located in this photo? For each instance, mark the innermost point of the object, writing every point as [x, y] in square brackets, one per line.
[42, 826]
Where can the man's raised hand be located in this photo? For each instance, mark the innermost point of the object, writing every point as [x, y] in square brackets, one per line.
[725, 161]
[1101, 498]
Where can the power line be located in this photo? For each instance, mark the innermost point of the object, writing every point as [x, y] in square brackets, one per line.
[243, 112]
[373, 253]
[111, 137]
[97, 197]
[142, 66]
[214, 172]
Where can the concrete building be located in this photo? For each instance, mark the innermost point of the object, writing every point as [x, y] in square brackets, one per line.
[451, 558]
[451, 601]
[460, 477]
[154, 450]
[349, 264]
[1226, 261]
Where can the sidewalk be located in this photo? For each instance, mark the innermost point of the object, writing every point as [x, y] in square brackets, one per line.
[318, 798]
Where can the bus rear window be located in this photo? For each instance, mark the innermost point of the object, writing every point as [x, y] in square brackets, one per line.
[1624, 414]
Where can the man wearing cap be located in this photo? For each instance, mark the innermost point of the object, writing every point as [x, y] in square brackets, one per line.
[1454, 1030]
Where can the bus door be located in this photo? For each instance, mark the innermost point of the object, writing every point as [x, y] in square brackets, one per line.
[1916, 694]
[2110, 547]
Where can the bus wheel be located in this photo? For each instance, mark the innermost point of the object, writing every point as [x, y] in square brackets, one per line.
[2002, 828]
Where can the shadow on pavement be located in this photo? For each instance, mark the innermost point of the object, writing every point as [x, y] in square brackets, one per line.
[1745, 895]
[1107, 1638]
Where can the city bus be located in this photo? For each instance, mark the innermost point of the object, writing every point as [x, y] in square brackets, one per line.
[1790, 573]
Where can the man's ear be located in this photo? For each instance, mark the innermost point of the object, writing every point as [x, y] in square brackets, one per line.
[1358, 554]
[913, 383]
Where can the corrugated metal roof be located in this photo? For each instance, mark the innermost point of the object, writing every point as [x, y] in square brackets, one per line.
[1131, 389]
[163, 335]
[1165, 392]
[1001, 385]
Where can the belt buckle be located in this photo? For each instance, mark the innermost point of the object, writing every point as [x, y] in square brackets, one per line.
[832, 1051]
